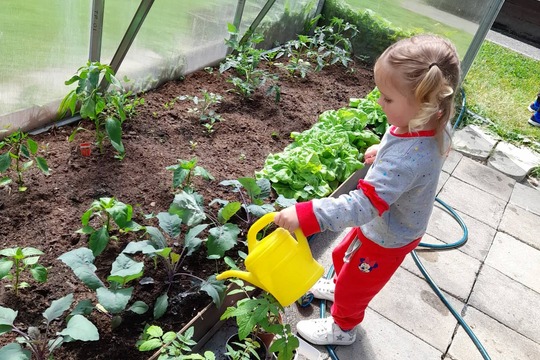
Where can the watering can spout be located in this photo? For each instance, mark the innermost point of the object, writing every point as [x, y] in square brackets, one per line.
[243, 275]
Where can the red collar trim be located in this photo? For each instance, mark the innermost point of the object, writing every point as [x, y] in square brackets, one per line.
[423, 133]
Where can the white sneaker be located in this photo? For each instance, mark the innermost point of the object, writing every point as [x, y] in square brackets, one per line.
[325, 332]
[323, 289]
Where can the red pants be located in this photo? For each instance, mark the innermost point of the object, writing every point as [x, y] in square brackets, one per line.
[360, 279]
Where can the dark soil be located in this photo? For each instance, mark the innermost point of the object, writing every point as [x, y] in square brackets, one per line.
[48, 214]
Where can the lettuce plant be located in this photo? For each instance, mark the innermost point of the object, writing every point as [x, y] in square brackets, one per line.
[19, 156]
[40, 343]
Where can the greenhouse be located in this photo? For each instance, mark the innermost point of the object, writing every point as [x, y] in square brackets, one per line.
[148, 149]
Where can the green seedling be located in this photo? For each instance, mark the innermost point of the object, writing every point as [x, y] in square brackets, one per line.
[114, 298]
[19, 154]
[172, 345]
[110, 211]
[243, 350]
[15, 261]
[204, 108]
[185, 171]
[245, 59]
[41, 343]
[107, 109]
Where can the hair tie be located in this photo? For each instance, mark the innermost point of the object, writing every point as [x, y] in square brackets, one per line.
[432, 65]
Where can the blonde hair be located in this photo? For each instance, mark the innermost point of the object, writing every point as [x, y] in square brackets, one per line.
[428, 69]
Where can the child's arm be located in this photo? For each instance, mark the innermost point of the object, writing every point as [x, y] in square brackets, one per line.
[383, 185]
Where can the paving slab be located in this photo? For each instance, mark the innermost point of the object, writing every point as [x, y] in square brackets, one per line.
[452, 160]
[516, 162]
[500, 342]
[473, 201]
[409, 302]
[521, 224]
[485, 178]
[516, 260]
[474, 142]
[443, 227]
[453, 271]
[526, 197]
[507, 301]
[380, 339]
[443, 178]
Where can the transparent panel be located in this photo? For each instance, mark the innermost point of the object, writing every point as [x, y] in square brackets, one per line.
[42, 43]
[458, 20]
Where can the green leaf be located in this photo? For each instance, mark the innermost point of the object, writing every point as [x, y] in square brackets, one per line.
[58, 307]
[9, 252]
[160, 307]
[14, 351]
[191, 241]
[125, 269]
[114, 301]
[170, 223]
[157, 238]
[121, 213]
[149, 345]
[187, 208]
[139, 307]
[154, 331]
[215, 289]
[5, 267]
[222, 238]
[81, 261]
[5, 181]
[114, 131]
[7, 316]
[30, 251]
[228, 211]
[250, 185]
[42, 165]
[144, 246]
[84, 307]
[39, 273]
[99, 240]
[80, 328]
[32, 145]
[5, 162]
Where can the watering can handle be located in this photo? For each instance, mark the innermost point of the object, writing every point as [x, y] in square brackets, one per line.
[261, 223]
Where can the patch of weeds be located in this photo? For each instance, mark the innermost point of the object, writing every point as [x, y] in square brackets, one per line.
[205, 108]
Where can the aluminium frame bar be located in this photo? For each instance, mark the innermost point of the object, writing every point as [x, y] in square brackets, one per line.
[96, 30]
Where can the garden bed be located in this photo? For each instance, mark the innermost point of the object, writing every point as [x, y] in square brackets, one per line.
[48, 214]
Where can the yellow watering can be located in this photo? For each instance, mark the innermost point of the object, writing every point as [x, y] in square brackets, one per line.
[278, 263]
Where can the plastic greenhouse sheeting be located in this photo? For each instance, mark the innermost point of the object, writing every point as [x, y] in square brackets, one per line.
[45, 42]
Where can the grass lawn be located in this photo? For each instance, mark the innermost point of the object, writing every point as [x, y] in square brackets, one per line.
[499, 86]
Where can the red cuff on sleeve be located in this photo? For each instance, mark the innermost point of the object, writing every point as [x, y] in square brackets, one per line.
[371, 194]
[306, 218]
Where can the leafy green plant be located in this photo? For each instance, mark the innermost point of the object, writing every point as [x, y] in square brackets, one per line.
[156, 246]
[204, 108]
[41, 343]
[107, 109]
[19, 153]
[325, 155]
[261, 313]
[369, 105]
[331, 44]
[112, 300]
[16, 260]
[172, 345]
[107, 209]
[254, 198]
[296, 51]
[245, 59]
[243, 350]
[183, 174]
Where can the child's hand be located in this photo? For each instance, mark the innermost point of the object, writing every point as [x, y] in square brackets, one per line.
[287, 219]
[371, 153]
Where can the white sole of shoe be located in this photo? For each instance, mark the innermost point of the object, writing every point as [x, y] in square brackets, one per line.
[534, 123]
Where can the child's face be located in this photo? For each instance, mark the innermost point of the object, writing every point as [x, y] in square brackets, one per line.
[400, 108]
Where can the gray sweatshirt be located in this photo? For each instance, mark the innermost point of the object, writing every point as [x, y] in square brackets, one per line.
[393, 204]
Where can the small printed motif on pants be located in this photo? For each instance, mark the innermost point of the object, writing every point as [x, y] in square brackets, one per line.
[364, 274]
